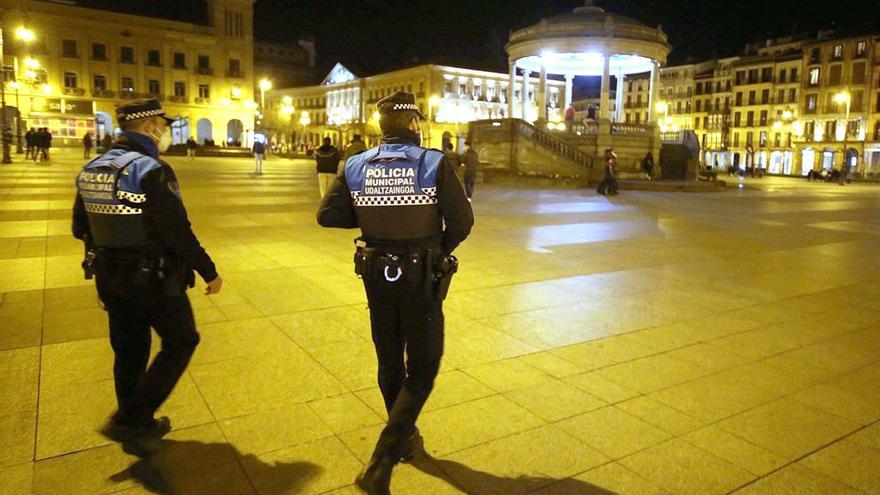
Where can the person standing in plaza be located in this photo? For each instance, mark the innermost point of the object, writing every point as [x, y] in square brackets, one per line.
[142, 252]
[107, 142]
[648, 165]
[30, 143]
[259, 153]
[608, 186]
[354, 147]
[87, 145]
[471, 160]
[327, 159]
[412, 213]
[191, 146]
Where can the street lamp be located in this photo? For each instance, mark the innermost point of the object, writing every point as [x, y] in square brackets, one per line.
[265, 85]
[304, 120]
[844, 98]
[24, 34]
[18, 149]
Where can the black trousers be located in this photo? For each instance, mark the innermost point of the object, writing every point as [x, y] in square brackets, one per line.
[469, 180]
[133, 309]
[407, 328]
[607, 186]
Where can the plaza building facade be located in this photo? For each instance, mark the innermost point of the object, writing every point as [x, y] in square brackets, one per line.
[344, 103]
[788, 105]
[68, 67]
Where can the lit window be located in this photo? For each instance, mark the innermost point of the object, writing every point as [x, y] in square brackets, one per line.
[814, 76]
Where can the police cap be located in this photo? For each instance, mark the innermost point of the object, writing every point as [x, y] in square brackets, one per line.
[399, 102]
[141, 109]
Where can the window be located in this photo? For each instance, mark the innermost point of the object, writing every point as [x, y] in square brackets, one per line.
[753, 76]
[699, 107]
[752, 95]
[762, 139]
[765, 97]
[736, 119]
[696, 122]
[810, 130]
[837, 52]
[204, 61]
[812, 101]
[793, 72]
[782, 74]
[154, 59]
[858, 72]
[739, 98]
[127, 84]
[179, 61]
[68, 48]
[99, 82]
[780, 96]
[204, 91]
[735, 139]
[792, 95]
[70, 80]
[835, 75]
[749, 140]
[814, 76]
[234, 67]
[767, 74]
[861, 48]
[99, 51]
[750, 119]
[153, 87]
[740, 76]
[763, 117]
[179, 89]
[233, 23]
[815, 55]
[126, 55]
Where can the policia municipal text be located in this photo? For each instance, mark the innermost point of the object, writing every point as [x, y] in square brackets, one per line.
[412, 212]
[142, 252]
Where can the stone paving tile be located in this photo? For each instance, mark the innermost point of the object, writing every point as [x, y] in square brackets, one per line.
[708, 325]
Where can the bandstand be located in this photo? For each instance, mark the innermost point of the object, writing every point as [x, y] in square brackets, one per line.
[586, 42]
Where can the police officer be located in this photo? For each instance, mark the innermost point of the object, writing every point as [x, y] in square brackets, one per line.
[141, 248]
[412, 212]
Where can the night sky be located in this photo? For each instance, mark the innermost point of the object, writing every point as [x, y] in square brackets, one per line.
[374, 36]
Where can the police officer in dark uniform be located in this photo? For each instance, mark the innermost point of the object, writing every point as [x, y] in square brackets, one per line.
[142, 251]
[412, 212]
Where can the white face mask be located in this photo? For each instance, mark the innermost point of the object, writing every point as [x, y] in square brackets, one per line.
[164, 141]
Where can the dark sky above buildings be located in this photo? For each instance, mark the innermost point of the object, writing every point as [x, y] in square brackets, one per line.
[373, 36]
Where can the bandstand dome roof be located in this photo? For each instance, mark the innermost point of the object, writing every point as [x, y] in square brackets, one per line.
[576, 42]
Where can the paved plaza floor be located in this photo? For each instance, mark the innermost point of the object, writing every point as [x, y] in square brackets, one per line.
[648, 343]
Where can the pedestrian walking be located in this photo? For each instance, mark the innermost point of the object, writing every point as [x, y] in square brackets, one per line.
[412, 213]
[608, 186]
[259, 151]
[354, 147]
[87, 145]
[327, 159]
[191, 146]
[471, 160]
[30, 143]
[43, 141]
[648, 165]
[142, 252]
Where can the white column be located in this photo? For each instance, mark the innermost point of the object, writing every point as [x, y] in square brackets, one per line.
[511, 86]
[569, 84]
[604, 100]
[542, 93]
[652, 93]
[524, 93]
[618, 115]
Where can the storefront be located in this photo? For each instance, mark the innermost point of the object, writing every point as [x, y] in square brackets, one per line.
[67, 119]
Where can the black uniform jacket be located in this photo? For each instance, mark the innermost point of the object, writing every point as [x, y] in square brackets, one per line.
[165, 220]
[337, 207]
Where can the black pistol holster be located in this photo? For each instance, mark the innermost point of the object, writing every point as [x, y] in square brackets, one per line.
[444, 269]
[88, 263]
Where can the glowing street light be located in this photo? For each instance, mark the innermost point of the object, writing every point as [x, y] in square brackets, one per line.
[287, 100]
[24, 34]
[304, 119]
[844, 98]
[265, 85]
[236, 92]
[31, 63]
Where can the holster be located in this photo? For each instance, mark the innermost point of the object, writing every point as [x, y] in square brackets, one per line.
[175, 277]
[444, 269]
[363, 260]
[88, 264]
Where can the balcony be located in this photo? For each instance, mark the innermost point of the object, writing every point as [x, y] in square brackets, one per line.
[178, 99]
[74, 92]
[203, 101]
[205, 71]
[235, 73]
[103, 93]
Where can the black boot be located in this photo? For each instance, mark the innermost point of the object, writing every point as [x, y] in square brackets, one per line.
[414, 444]
[375, 479]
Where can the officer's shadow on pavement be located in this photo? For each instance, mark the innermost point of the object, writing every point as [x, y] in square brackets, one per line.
[174, 467]
[480, 482]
